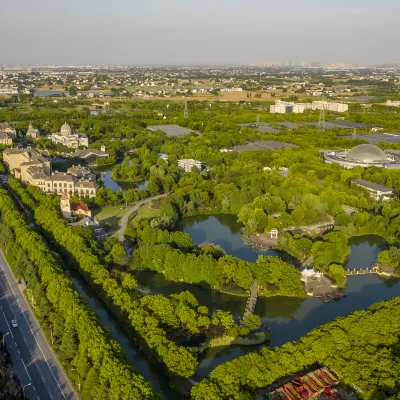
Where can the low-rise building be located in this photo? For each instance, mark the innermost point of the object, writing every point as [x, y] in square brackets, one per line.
[188, 163]
[73, 210]
[377, 191]
[90, 155]
[92, 224]
[32, 132]
[69, 139]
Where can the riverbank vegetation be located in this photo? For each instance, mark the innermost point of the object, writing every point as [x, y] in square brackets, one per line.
[361, 348]
[80, 340]
[175, 255]
[166, 325]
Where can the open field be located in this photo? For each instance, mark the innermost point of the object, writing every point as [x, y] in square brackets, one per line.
[109, 215]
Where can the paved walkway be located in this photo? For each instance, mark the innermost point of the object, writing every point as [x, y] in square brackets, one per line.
[123, 222]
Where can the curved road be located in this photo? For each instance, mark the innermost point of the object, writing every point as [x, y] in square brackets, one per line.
[33, 360]
[123, 222]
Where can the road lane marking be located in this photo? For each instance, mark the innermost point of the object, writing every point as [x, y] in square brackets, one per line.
[48, 365]
[23, 313]
[8, 326]
[26, 369]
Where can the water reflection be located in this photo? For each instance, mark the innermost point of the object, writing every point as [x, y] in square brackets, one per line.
[140, 363]
[223, 230]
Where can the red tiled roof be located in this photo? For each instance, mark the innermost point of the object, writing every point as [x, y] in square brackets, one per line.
[79, 206]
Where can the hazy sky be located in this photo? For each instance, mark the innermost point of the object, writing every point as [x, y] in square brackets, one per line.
[198, 31]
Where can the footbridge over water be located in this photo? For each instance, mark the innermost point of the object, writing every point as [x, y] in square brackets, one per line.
[252, 300]
[362, 271]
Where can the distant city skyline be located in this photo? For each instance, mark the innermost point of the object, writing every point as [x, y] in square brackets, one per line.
[189, 32]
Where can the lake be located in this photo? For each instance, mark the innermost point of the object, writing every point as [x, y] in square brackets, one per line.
[288, 318]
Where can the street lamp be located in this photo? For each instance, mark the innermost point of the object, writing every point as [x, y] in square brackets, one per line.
[23, 389]
[5, 336]
[79, 378]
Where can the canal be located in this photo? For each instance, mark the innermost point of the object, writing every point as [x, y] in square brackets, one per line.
[140, 363]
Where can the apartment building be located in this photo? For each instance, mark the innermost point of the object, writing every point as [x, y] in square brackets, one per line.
[5, 139]
[34, 168]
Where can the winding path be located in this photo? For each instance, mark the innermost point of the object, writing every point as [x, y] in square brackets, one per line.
[123, 222]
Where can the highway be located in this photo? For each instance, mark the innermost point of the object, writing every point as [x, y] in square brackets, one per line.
[33, 360]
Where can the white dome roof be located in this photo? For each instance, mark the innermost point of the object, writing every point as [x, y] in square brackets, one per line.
[366, 153]
[66, 130]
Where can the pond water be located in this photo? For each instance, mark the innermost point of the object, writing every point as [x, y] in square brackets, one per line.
[225, 231]
[288, 318]
[106, 177]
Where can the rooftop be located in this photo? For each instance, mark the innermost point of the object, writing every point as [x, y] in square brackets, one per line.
[372, 185]
[263, 145]
[171, 130]
[87, 152]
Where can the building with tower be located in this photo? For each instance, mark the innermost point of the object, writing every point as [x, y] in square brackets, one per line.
[32, 132]
[73, 210]
[70, 139]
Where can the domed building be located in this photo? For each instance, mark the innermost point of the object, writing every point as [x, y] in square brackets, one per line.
[65, 130]
[68, 138]
[363, 155]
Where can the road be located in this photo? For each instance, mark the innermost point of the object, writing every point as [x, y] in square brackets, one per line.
[123, 222]
[33, 361]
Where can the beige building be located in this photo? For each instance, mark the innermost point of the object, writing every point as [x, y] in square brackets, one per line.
[69, 139]
[32, 133]
[9, 129]
[34, 168]
[5, 139]
[62, 182]
[27, 164]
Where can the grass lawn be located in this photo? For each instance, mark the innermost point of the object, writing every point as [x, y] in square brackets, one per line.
[147, 211]
[110, 215]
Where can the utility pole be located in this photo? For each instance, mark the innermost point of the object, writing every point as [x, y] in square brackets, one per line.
[321, 122]
[258, 119]
[186, 113]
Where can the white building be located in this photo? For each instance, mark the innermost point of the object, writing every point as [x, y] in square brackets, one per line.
[188, 163]
[283, 107]
[329, 106]
[376, 190]
[391, 103]
[70, 139]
